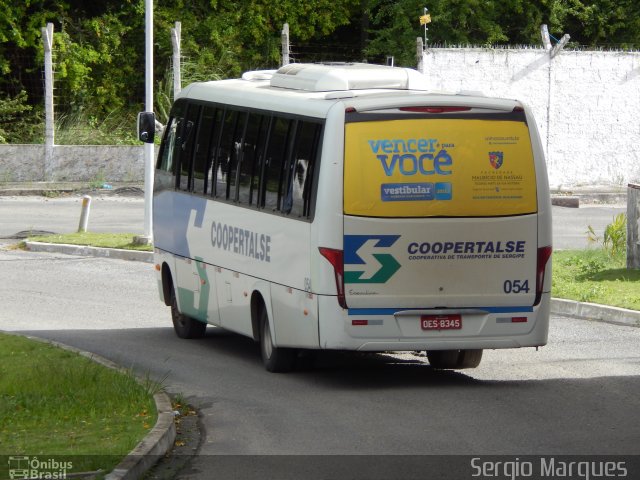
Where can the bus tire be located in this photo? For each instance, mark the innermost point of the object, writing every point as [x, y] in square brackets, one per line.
[469, 358]
[274, 359]
[443, 359]
[454, 359]
[183, 325]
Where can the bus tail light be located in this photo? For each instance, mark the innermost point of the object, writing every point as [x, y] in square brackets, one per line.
[336, 260]
[544, 254]
[434, 109]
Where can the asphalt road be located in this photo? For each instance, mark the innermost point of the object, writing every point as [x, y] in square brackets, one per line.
[570, 225]
[579, 395]
[62, 215]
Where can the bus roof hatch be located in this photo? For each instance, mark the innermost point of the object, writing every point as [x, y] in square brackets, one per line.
[346, 76]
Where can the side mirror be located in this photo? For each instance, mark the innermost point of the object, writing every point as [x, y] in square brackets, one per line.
[146, 126]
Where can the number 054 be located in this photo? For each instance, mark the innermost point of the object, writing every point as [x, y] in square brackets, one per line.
[516, 286]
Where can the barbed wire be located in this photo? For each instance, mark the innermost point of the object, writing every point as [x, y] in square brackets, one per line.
[611, 47]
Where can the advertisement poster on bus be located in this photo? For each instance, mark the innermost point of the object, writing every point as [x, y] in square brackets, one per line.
[438, 167]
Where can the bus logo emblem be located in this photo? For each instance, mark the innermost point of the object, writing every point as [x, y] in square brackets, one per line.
[496, 159]
[365, 252]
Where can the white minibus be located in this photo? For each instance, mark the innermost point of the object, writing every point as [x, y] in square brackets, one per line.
[345, 207]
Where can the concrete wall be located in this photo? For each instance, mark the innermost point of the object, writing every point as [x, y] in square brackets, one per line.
[586, 104]
[26, 163]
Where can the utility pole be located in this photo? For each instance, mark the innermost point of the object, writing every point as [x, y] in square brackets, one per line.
[425, 19]
[148, 147]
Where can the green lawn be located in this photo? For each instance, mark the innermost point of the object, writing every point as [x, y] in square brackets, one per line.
[597, 277]
[55, 402]
[105, 240]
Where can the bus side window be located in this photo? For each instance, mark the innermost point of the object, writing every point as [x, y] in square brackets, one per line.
[301, 169]
[168, 153]
[187, 142]
[275, 166]
[203, 146]
[214, 163]
[252, 158]
[225, 152]
[310, 188]
[236, 148]
[170, 149]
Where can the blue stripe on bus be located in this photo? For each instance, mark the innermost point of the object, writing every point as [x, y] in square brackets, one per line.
[171, 215]
[392, 311]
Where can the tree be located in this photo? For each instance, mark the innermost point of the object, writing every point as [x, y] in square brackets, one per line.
[395, 25]
[597, 22]
[225, 37]
[16, 122]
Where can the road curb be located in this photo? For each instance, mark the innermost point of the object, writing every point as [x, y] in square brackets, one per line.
[154, 445]
[87, 251]
[565, 201]
[593, 311]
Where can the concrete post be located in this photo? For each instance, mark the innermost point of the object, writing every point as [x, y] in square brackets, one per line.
[47, 39]
[285, 44]
[175, 41]
[560, 45]
[84, 214]
[546, 40]
[633, 226]
[420, 55]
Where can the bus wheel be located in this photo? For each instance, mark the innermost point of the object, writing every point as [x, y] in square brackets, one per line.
[275, 359]
[184, 326]
[454, 359]
[442, 359]
[469, 358]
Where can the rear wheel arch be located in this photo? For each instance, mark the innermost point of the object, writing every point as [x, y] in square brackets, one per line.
[257, 304]
[167, 284]
[275, 359]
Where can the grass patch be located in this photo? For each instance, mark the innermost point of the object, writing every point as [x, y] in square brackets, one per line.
[57, 402]
[105, 240]
[595, 276]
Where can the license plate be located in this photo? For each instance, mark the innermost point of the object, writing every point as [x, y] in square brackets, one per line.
[441, 322]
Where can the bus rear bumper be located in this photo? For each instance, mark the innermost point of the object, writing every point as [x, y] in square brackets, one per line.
[402, 330]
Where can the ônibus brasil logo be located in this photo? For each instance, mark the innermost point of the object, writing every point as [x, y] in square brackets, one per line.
[24, 468]
[364, 251]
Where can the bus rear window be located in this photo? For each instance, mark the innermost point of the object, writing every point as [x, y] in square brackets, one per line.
[445, 167]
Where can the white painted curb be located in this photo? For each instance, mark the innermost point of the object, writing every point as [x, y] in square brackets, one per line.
[593, 311]
[87, 251]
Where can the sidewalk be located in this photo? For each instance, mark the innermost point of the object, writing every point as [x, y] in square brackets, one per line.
[573, 197]
[49, 189]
